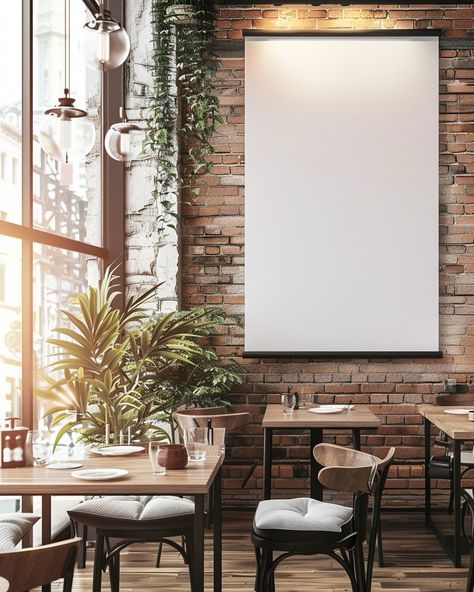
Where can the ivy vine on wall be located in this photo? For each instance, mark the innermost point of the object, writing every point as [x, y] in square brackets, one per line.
[183, 111]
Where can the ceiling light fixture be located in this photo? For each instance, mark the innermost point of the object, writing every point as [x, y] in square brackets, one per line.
[65, 133]
[124, 140]
[104, 43]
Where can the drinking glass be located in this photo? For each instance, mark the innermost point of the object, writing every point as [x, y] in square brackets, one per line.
[153, 453]
[288, 402]
[41, 446]
[306, 400]
[197, 442]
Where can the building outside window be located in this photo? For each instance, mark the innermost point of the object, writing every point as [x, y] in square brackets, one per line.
[50, 236]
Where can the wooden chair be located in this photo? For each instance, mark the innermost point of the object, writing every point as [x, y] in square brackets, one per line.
[26, 569]
[216, 417]
[304, 526]
[441, 467]
[120, 521]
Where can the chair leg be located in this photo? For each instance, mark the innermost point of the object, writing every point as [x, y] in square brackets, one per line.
[380, 544]
[82, 555]
[267, 574]
[470, 577]
[451, 498]
[258, 569]
[359, 567]
[67, 583]
[158, 554]
[98, 563]
[114, 573]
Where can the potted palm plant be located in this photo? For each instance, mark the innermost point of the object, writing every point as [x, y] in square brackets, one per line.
[108, 363]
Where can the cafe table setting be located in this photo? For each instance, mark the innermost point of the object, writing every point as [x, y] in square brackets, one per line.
[303, 412]
[142, 488]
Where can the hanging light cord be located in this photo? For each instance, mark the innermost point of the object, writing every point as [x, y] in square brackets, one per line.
[67, 45]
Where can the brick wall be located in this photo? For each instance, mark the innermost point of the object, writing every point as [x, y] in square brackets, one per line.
[213, 259]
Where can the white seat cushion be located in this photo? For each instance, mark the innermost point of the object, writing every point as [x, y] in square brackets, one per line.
[301, 513]
[13, 528]
[135, 508]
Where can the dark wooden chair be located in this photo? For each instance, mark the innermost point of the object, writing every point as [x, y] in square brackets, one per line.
[304, 526]
[468, 508]
[441, 466]
[215, 417]
[26, 569]
[218, 416]
[120, 521]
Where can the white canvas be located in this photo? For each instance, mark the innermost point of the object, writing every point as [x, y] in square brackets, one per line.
[341, 194]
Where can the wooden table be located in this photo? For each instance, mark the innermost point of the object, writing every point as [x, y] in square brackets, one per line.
[195, 480]
[355, 419]
[458, 428]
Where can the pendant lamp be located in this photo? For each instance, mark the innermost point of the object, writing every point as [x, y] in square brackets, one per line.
[65, 132]
[104, 43]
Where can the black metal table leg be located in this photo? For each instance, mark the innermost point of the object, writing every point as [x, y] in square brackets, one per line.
[427, 423]
[267, 462]
[217, 523]
[316, 487]
[356, 438]
[198, 562]
[46, 527]
[457, 502]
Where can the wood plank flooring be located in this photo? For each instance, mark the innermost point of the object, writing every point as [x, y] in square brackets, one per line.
[415, 563]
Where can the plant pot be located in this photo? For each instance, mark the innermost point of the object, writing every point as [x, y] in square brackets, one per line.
[181, 14]
[173, 456]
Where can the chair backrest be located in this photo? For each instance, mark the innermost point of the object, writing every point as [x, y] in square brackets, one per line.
[29, 568]
[345, 469]
[188, 418]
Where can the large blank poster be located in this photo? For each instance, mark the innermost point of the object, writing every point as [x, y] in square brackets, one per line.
[341, 194]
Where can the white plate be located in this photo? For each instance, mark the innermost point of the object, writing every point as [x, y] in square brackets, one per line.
[116, 450]
[456, 411]
[64, 465]
[99, 474]
[330, 408]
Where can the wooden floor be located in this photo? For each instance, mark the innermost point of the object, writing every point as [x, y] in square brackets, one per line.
[415, 563]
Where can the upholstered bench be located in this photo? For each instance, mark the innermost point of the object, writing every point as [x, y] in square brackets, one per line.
[123, 520]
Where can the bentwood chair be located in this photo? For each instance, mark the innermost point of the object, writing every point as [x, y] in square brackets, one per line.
[468, 506]
[214, 417]
[25, 569]
[120, 521]
[305, 526]
[441, 467]
[218, 416]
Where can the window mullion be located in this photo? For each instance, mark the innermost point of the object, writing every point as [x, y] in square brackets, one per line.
[27, 214]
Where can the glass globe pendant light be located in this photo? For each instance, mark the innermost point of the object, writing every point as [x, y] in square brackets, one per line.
[124, 140]
[104, 43]
[65, 133]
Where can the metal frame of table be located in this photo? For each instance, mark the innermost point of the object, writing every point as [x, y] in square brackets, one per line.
[358, 418]
[158, 485]
[458, 429]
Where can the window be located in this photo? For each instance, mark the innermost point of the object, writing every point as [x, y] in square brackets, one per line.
[52, 242]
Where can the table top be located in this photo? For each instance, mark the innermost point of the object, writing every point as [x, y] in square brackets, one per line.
[457, 427]
[359, 416]
[196, 478]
